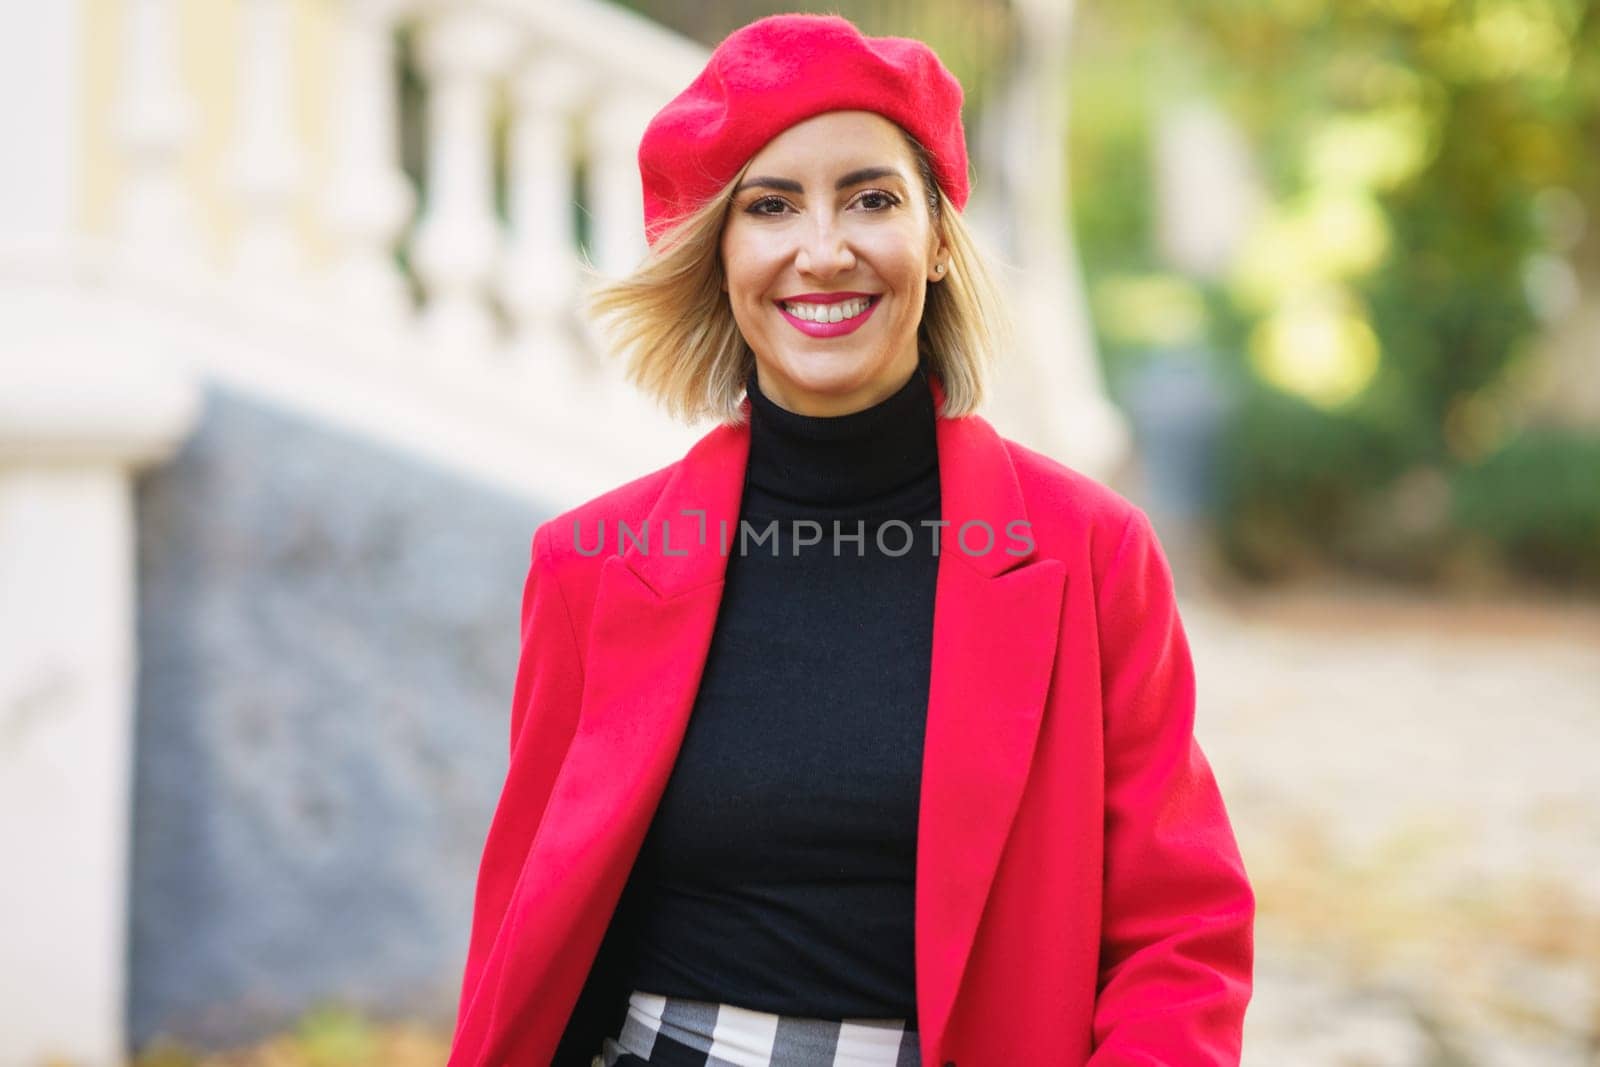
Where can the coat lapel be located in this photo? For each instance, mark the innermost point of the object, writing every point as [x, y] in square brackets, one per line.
[995, 629]
[995, 626]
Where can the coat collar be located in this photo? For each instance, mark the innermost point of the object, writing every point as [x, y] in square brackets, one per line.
[996, 620]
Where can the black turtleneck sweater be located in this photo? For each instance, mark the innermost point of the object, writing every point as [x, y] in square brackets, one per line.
[779, 870]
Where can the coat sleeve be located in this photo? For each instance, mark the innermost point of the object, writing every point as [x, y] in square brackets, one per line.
[1178, 913]
[544, 716]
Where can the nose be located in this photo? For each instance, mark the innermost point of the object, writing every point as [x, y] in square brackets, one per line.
[824, 248]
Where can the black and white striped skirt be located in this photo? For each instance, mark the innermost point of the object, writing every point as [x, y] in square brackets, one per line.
[675, 1032]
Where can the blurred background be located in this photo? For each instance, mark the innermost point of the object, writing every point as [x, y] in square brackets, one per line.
[291, 368]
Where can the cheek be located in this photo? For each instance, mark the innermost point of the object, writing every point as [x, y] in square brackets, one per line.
[745, 273]
[896, 258]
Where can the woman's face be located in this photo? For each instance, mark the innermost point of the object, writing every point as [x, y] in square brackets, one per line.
[830, 208]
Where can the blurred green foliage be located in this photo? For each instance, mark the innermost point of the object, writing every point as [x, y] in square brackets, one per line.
[327, 1036]
[1375, 322]
[1537, 498]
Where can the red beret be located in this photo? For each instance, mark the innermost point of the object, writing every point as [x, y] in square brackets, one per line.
[777, 71]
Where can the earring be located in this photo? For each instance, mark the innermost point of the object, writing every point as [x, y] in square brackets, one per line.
[939, 267]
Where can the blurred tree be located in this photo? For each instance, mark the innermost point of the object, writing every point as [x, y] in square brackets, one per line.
[1381, 310]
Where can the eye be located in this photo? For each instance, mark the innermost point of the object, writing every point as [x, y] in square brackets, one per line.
[889, 199]
[755, 207]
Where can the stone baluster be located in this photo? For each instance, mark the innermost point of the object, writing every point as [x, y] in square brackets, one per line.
[616, 121]
[540, 280]
[80, 412]
[369, 199]
[153, 122]
[463, 51]
[615, 126]
[266, 168]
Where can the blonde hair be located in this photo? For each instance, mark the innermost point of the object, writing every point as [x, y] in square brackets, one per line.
[673, 326]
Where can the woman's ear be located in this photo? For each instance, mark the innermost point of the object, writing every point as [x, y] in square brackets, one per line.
[939, 261]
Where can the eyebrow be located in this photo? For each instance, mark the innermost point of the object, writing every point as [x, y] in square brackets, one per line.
[855, 177]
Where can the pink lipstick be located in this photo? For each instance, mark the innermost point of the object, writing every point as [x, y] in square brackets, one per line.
[831, 329]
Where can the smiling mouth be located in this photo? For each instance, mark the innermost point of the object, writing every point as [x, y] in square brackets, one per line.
[826, 314]
[861, 310]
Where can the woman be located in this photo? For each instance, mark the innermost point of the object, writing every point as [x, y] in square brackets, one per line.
[860, 734]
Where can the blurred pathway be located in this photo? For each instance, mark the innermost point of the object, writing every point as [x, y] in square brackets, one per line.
[1416, 789]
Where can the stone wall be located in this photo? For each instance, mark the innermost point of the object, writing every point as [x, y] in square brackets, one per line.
[328, 636]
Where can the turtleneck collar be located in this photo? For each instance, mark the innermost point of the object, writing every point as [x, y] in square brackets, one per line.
[867, 457]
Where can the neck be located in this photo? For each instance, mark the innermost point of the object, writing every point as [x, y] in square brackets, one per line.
[860, 458]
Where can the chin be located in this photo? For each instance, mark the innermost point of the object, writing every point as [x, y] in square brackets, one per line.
[828, 379]
[827, 372]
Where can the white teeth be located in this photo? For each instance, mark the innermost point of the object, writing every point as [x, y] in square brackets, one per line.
[847, 309]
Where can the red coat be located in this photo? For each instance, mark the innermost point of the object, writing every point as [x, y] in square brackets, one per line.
[1080, 898]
